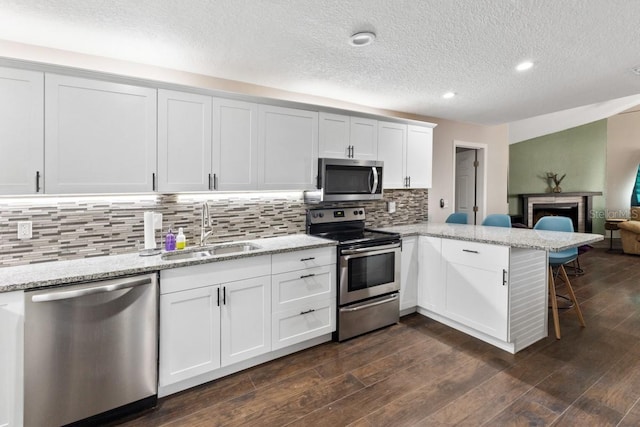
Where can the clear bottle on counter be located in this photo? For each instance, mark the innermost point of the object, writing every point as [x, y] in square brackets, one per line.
[181, 241]
[170, 242]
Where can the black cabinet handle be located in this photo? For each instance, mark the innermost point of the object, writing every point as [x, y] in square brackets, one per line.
[308, 259]
[224, 295]
[210, 182]
[37, 181]
[409, 178]
[504, 277]
[153, 181]
[307, 312]
[307, 275]
[470, 251]
[215, 181]
[218, 296]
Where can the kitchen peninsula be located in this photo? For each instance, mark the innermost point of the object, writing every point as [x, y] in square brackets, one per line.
[489, 282]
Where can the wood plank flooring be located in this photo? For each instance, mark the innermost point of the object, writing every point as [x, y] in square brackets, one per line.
[422, 373]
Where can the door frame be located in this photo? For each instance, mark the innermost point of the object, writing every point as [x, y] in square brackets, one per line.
[481, 183]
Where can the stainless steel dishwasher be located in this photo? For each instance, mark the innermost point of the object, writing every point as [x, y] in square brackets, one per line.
[91, 351]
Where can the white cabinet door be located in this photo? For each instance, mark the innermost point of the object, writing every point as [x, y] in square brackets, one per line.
[476, 288]
[189, 334]
[409, 273]
[246, 319]
[184, 141]
[100, 136]
[333, 137]
[11, 355]
[364, 138]
[419, 155]
[288, 148]
[21, 131]
[235, 145]
[392, 150]
[430, 275]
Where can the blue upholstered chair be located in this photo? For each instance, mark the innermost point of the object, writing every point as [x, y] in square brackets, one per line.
[558, 260]
[497, 220]
[457, 218]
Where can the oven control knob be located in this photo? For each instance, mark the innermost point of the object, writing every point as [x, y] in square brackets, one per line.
[361, 212]
[320, 214]
[314, 215]
[355, 212]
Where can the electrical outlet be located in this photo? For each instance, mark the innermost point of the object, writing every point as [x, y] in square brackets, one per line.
[24, 230]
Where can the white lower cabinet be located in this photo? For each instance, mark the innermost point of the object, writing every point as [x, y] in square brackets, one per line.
[304, 296]
[213, 315]
[495, 293]
[221, 317]
[11, 354]
[476, 286]
[409, 275]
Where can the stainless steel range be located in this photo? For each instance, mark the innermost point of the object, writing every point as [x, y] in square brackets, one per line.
[368, 270]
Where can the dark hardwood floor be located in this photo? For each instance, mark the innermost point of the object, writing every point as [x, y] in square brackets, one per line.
[420, 372]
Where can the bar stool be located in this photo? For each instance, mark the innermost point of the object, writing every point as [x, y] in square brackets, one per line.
[559, 259]
[497, 220]
[457, 218]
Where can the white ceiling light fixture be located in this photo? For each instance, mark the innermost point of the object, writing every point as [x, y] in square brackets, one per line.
[524, 66]
[449, 95]
[363, 38]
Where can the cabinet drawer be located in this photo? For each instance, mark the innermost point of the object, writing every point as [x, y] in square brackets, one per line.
[300, 260]
[474, 254]
[292, 288]
[197, 276]
[309, 321]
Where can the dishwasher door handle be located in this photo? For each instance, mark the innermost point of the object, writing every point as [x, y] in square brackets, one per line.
[76, 293]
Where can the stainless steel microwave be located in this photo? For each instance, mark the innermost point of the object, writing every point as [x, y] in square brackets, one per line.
[349, 179]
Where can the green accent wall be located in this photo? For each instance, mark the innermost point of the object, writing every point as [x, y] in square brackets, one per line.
[579, 152]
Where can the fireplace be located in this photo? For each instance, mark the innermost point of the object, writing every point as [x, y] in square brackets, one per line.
[576, 205]
[570, 210]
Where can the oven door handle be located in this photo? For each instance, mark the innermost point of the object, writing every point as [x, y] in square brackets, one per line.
[373, 304]
[369, 249]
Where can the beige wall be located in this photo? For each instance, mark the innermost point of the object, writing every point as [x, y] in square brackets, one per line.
[623, 157]
[497, 140]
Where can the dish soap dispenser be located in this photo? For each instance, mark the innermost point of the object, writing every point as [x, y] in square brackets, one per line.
[170, 242]
[181, 241]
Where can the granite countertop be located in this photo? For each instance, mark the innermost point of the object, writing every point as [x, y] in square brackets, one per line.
[87, 269]
[552, 241]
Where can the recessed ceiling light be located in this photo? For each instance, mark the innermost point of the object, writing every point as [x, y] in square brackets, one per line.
[449, 95]
[523, 66]
[362, 39]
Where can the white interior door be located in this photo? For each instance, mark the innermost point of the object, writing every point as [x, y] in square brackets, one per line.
[465, 183]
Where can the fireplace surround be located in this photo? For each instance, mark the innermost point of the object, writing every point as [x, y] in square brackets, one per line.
[575, 205]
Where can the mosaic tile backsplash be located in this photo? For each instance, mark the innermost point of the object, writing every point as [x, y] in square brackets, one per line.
[81, 227]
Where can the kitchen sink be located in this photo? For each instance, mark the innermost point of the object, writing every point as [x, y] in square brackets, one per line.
[209, 251]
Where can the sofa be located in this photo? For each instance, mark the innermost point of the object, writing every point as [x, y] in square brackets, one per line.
[630, 232]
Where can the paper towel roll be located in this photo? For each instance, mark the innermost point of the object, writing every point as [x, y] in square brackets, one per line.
[149, 232]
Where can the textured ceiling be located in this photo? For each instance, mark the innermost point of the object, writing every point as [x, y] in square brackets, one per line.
[583, 50]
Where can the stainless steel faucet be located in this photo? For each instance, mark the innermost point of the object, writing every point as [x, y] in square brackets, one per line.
[205, 222]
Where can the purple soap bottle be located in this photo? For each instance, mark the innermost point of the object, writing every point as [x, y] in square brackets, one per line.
[170, 242]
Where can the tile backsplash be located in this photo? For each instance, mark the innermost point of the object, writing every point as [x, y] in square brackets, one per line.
[81, 227]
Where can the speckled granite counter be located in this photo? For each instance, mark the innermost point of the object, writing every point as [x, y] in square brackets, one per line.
[66, 272]
[552, 241]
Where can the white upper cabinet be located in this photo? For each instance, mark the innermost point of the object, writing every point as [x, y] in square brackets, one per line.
[419, 156]
[287, 148]
[406, 151]
[100, 137]
[347, 137]
[333, 136]
[364, 138]
[392, 150]
[21, 131]
[235, 145]
[184, 141]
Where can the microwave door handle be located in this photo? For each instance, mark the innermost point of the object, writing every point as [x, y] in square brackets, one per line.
[374, 172]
